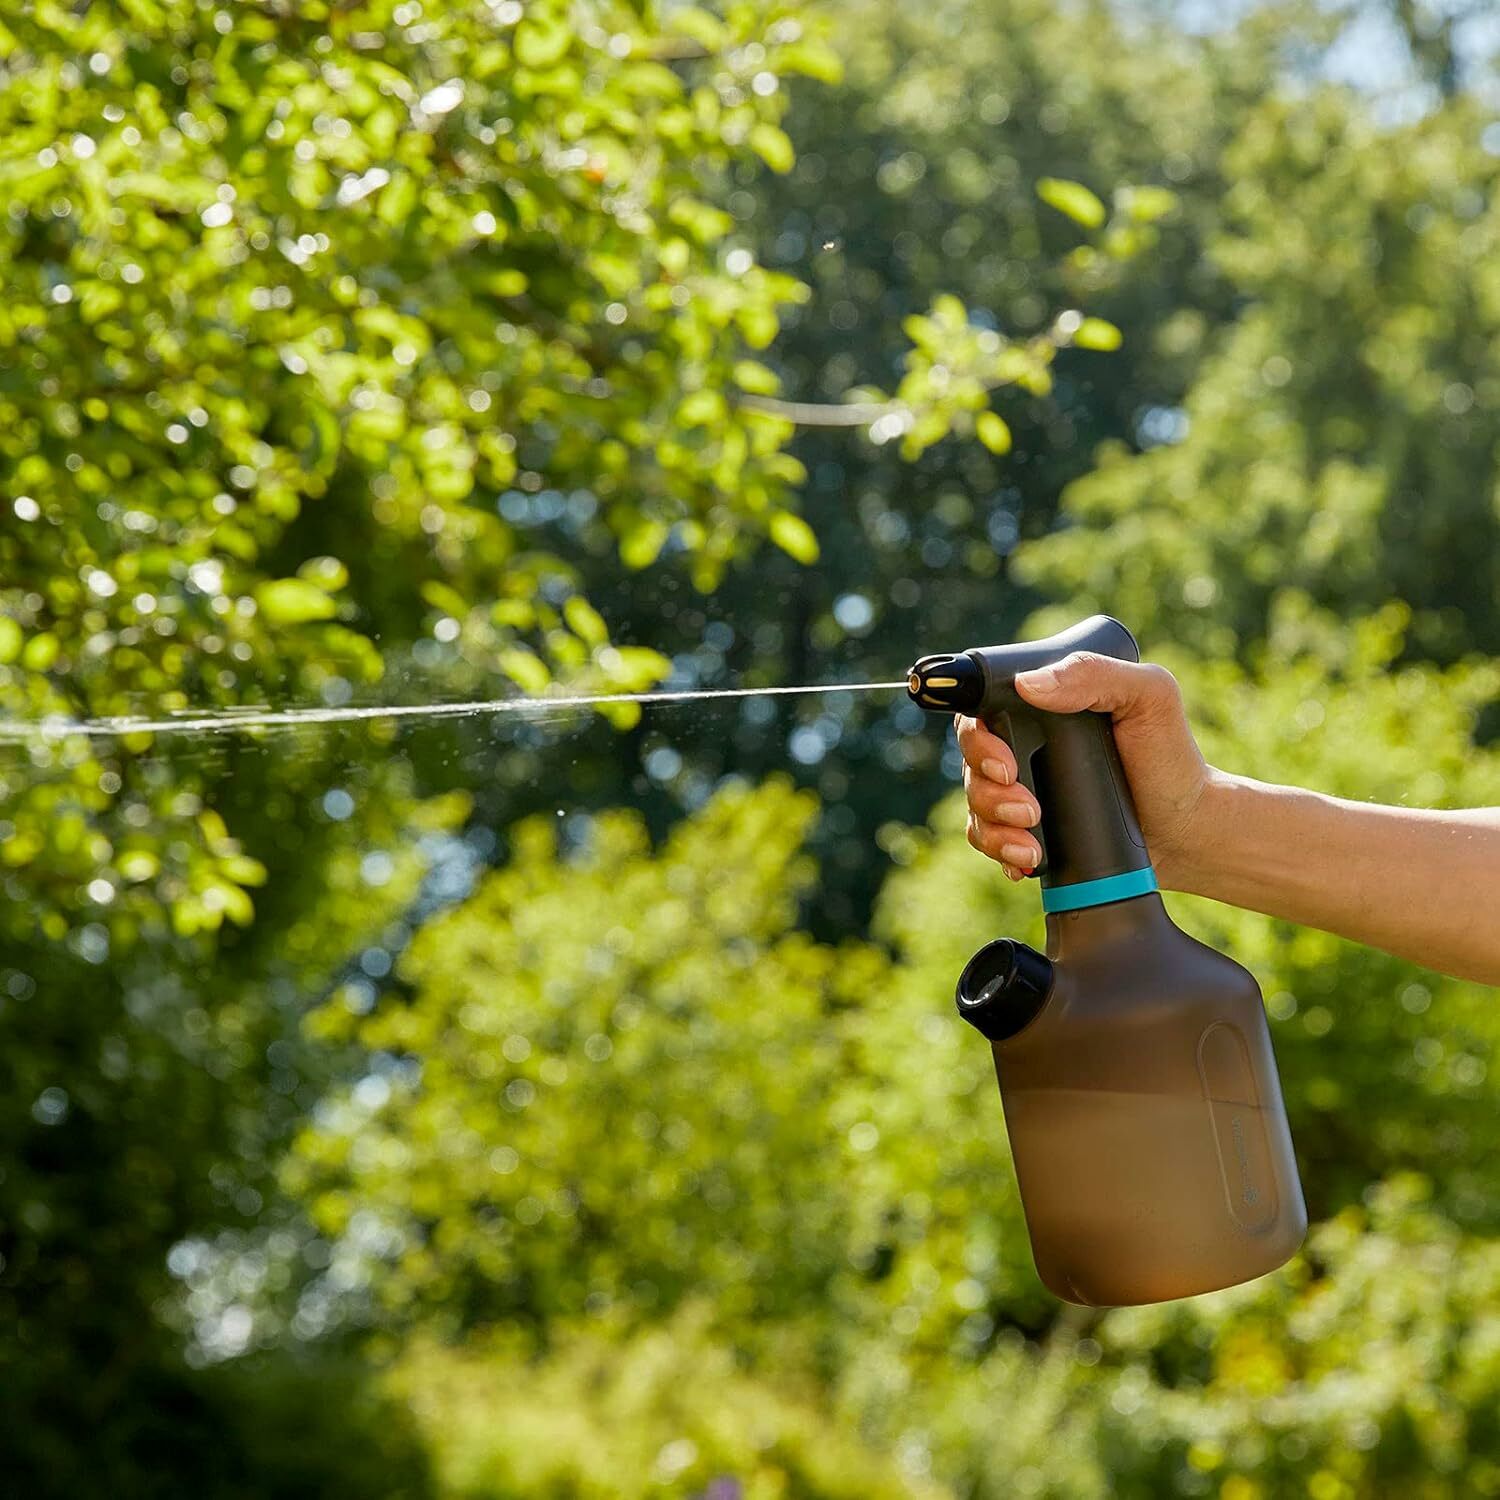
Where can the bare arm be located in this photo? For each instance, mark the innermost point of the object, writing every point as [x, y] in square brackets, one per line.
[1419, 884]
[1422, 885]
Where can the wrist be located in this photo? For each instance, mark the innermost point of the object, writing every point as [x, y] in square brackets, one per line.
[1201, 855]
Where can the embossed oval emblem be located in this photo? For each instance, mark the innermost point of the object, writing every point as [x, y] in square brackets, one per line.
[1239, 1127]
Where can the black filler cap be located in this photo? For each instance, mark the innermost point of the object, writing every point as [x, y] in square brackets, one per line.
[946, 683]
[1003, 987]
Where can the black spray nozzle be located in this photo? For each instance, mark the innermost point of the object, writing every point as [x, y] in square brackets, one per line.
[946, 683]
[978, 681]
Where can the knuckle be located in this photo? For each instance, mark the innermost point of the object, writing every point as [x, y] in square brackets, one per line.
[1011, 805]
[1080, 663]
[986, 807]
[987, 839]
[1160, 684]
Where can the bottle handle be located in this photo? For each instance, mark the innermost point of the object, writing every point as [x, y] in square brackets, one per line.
[1071, 765]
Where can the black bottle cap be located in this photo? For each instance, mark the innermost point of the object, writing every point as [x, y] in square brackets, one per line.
[1003, 987]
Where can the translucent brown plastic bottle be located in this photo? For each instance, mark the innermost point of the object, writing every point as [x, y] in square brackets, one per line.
[1145, 1114]
[1135, 1064]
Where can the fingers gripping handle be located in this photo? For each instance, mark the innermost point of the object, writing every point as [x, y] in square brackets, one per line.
[1023, 733]
[1070, 764]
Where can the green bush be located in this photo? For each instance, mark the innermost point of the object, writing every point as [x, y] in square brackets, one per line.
[664, 1413]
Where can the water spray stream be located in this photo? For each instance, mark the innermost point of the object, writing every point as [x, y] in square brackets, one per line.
[235, 720]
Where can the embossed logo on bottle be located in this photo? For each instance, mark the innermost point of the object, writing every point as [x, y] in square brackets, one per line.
[1238, 1127]
[1249, 1193]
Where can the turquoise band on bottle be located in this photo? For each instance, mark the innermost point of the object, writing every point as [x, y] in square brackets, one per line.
[1097, 892]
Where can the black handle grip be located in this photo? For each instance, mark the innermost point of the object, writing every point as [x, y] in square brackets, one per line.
[1069, 762]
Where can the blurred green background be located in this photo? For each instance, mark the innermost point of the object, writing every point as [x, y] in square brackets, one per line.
[571, 1105]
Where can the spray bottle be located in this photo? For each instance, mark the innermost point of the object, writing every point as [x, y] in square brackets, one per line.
[1135, 1065]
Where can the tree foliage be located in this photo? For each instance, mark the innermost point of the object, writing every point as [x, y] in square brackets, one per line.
[1340, 434]
[296, 295]
[293, 297]
[383, 351]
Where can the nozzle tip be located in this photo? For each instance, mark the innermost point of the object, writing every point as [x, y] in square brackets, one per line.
[946, 683]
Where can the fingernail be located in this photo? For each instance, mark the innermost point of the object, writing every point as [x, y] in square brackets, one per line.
[1011, 874]
[1018, 855]
[996, 770]
[1041, 679]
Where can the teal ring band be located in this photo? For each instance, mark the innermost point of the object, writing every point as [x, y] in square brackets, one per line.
[1097, 892]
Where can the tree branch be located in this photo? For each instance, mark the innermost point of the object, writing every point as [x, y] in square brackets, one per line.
[673, 49]
[821, 414]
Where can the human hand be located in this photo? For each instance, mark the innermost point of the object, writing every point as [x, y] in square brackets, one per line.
[1167, 773]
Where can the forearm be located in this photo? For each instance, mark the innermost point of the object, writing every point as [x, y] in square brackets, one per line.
[1422, 885]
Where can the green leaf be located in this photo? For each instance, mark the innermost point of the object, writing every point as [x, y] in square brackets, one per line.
[703, 220]
[138, 864]
[322, 437]
[674, 255]
[1146, 205]
[541, 41]
[993, 432]
[635, 668]
[794, 536]
[243, 870]
[949, 313]
[1097, 333]
[40, 652]
[751, 375]
[11, 639]
[812, 59]
[328, 573]
[701, 409]
[622, 715]
[525, 669]
[758, 323]
[650, 80]
[585, 621]
[293, 601]
[774, 146]
[397, 199]
[445, 597]
[923, 332]
[234, 903]
[1072, 199]
[1124, 241]
[641, 544]
[705, 29]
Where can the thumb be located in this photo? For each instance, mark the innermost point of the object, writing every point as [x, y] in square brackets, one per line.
[1084, 680]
